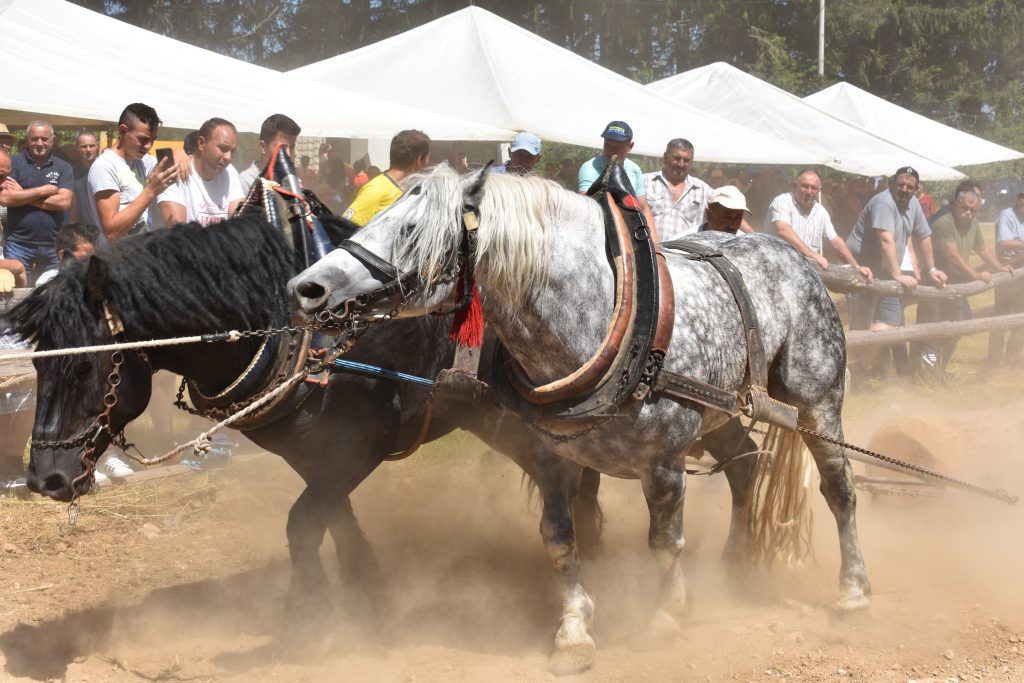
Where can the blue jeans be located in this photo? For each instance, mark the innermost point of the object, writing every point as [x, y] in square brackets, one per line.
[37, 260]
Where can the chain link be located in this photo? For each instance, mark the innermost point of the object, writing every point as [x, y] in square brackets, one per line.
[998, 494]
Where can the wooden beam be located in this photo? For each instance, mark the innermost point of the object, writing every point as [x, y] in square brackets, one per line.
[844, 279]
[867, 338]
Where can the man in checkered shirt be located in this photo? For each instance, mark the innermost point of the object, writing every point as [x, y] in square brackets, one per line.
[678, 201]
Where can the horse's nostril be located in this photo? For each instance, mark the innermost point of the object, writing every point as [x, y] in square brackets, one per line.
[56, 486]
[311, 291]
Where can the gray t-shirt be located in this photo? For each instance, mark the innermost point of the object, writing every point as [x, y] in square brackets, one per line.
[881, 213]
[111, 172]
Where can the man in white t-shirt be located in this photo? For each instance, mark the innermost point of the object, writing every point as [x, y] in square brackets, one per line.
[125, 180]
[276, 129]
[212, 191]
[800, 219]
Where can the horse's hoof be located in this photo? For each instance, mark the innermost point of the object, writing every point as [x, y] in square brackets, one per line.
[853, 602]
[572, 660]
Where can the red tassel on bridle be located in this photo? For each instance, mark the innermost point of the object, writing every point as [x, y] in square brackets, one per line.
[468, 323]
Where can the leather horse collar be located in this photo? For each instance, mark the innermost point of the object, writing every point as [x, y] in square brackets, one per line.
[634, 347]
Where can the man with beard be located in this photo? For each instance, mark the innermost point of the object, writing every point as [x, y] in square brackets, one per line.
[800, 219]
[957, 234]
[879, 241]
[212, 191]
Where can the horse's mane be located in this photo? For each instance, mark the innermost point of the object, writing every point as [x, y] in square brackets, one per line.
[184, 281]
[517, 217]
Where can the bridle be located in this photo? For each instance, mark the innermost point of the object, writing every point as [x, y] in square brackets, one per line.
[397, 288]
[100, 425]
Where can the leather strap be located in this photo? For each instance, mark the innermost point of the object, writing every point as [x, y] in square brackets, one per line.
[381, 270]
[757, 364]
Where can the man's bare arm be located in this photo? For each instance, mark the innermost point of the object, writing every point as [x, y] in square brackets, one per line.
[58, 202]
[23, 197]
[844, 253]
[173, 213]
[786, 232]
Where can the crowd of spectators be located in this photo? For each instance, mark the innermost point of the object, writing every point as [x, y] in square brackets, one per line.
[61, 205]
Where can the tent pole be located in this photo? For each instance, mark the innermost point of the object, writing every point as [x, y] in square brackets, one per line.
[821, 39]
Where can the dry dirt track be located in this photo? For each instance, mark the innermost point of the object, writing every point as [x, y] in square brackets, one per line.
[183, 580]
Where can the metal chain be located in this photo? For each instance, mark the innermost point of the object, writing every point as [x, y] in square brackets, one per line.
[998, 494]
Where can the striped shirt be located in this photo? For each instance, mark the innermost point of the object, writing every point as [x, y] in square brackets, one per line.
[809, 227]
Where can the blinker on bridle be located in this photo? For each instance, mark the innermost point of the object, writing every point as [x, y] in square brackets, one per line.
[396, 288]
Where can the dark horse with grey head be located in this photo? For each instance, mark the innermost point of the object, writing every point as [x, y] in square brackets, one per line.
[193, 280]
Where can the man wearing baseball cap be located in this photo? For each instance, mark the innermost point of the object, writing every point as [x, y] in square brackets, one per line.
[727, 207]
[524, 153]
[618, 141]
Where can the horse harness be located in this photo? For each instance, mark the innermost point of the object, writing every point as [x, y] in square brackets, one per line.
[629, 366]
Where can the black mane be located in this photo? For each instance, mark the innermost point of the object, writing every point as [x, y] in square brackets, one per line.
[184, 281]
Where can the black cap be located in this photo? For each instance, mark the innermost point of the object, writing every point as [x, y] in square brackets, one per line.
[617, 130]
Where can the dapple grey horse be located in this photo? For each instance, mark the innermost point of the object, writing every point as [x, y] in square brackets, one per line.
[546, 289]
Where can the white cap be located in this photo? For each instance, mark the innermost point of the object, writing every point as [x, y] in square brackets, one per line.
[730, 197]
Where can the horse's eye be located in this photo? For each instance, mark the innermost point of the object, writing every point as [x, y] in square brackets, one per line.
[82, 369]
[416, 190]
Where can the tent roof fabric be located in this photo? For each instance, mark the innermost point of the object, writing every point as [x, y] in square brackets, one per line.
[746, 99]
[474, 61]
[943, 143]
[82, 66]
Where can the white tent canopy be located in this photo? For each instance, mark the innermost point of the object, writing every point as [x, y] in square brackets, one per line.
[748, 100]
[943, 143]
[474, 61]
[74, 65]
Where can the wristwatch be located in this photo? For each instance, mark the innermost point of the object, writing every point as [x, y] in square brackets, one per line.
[932, 269]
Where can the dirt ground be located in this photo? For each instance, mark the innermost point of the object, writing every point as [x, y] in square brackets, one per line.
[183, 579]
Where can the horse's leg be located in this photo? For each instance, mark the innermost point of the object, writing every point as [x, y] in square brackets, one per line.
[559, 482]
[837, 487]
[587, 513]
[357, 564]
[665, 489]
[308, 601]
[730, 440]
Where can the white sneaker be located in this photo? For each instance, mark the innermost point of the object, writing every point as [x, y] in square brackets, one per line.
[930, 359]
[116, 468]
[99, 478]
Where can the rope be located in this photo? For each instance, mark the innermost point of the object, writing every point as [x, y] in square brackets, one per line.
[11, 381]
[201, 444]
[233, 335]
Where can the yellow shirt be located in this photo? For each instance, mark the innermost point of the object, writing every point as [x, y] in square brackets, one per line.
[375, 196]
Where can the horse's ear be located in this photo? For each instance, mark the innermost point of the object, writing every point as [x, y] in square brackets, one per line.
[473, 182]
[96, 274]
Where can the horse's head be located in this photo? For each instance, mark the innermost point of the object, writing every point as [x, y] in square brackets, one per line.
[409, 256]
[77, 394]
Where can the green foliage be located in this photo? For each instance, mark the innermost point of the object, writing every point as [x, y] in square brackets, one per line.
[957, 61]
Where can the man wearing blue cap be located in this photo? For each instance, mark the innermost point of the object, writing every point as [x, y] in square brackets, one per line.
[524, 153]
[618, 141]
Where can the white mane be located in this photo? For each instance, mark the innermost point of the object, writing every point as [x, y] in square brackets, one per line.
[517, 217]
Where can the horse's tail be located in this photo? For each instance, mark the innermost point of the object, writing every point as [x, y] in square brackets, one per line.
[777, 509]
